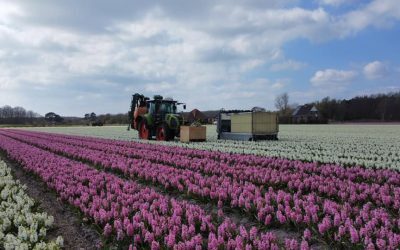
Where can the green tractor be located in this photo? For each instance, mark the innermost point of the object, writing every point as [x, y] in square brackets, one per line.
[155, 118]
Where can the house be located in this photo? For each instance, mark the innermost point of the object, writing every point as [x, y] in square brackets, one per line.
[307, 113]
[195, 116]
[212, 116]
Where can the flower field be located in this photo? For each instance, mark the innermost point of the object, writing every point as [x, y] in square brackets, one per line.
[21, 227]
[135, 215]
[149, 195]
[364, 145]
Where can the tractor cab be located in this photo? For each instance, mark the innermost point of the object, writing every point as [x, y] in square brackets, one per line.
[163, 106]
[157, 117]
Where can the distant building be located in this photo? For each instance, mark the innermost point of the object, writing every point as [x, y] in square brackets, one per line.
[195, 116]
[258, 109]
[307, 113]
[212, 116]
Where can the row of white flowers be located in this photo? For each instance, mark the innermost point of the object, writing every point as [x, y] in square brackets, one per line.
[21, 227]
[366, 145]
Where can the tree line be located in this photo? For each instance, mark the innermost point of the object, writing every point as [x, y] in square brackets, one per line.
[17, 115]
[20, 116]
[92, 118]
[377, 107]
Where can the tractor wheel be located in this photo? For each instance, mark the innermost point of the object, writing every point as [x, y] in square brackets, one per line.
[144, 132]
[163, 133]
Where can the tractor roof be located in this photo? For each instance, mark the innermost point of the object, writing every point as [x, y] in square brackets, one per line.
[162, 100]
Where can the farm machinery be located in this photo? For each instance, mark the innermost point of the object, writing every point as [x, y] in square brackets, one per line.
[157, 117]
[247, 125]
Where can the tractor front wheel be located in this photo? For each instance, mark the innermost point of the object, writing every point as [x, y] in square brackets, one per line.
[163, 133]
[144, 132]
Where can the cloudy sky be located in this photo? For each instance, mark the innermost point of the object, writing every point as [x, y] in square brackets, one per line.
[74, 57]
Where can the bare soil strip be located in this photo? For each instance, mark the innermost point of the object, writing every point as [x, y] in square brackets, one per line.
[67, 222]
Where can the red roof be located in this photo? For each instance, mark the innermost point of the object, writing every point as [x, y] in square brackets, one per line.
[196, 115]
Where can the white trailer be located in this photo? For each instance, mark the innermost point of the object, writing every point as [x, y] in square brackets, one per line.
[247, 125]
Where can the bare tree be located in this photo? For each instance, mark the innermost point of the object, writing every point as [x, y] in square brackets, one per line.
[19, 114]
[7, 111]
[282, 103]
[382, 108]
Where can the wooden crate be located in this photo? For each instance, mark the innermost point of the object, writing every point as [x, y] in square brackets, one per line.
[191, 133]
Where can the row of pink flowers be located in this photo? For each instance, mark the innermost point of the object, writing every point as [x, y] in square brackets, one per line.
[137, 216]
[341, 222]
[292, 175]
[354, 173]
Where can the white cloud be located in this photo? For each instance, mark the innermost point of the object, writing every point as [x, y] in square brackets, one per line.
[8, 11]
[377, 13]
[155, 87]
[278, 85]
[251, 64]
[287, 65]
[332, 77]
[375, 70]
[335, 3]
[378, 90]
[189, 50]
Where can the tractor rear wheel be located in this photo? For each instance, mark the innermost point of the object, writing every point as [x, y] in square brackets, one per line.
[144, 132]
[163, 133]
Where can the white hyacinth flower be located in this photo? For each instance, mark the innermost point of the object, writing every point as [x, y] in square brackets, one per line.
[60, 241]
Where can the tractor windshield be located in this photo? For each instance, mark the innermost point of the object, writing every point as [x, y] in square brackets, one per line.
[168, 107]
[151, 107]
